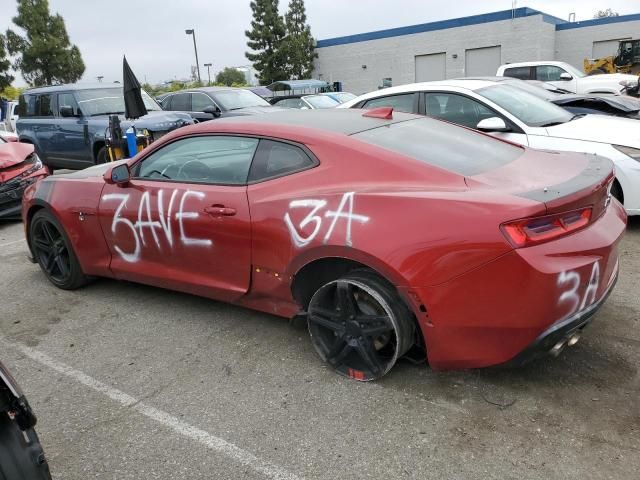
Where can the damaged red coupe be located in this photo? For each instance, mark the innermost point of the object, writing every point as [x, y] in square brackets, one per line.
[392, 234]
[19, 168]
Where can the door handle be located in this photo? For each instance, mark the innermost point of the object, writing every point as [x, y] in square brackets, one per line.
[220, 210]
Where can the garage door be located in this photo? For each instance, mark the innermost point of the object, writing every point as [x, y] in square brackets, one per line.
[430, 67]
[482, 62]
[605, 48]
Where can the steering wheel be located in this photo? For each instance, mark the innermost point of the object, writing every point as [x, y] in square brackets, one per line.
[200, 168]
[160, 173]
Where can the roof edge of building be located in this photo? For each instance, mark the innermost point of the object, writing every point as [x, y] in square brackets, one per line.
[598, 21]
[520, 12]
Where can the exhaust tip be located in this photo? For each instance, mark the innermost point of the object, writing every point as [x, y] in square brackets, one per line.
[557, 348]
[573, 339]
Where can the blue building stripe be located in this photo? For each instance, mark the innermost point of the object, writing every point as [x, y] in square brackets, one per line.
[440, 25]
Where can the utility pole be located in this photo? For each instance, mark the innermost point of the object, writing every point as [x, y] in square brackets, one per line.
[191, 31]
[208, 65]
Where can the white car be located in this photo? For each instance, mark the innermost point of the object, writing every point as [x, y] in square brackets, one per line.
[516, 115]
[568, 77]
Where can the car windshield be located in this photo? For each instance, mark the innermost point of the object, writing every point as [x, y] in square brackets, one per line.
[533, 89]
[103, 101]
[529, 109]
[236, 99]
[343, 96]
[321, 101]
[431, 141]
[573, 70]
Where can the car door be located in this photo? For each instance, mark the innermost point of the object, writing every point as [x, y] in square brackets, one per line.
[468, 112]
[183, 222]
[43, 125]
[200, 101]
[72, 142]
[551, 74]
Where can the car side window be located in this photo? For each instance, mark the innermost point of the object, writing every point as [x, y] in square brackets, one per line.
[45, 107]
[457, 109]
[400, 103]
[549, 73]
[214, 159]
[275, 159]
[68, 100]
[181, 102]
[200, 101]
[523, 73]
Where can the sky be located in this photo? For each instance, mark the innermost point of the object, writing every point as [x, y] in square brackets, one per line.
[152, 33]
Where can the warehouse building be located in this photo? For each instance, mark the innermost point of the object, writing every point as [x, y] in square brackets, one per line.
[469, 46]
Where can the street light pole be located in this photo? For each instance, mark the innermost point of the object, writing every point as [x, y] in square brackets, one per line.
[208, 65]
[191, 31]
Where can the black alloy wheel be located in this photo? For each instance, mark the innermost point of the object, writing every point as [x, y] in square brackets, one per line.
[51, 249]
[359, 325]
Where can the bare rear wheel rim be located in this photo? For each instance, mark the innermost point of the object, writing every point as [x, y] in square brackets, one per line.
[353, 329]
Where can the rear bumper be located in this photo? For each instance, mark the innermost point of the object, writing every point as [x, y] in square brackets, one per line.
[508, 309]
[560, 332]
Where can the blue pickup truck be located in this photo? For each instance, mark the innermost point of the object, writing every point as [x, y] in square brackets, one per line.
[68, 124]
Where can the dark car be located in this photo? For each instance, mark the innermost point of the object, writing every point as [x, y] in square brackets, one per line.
[21, 455]
[68, 124]
[578, 104]
[19, 168]
[207, 103]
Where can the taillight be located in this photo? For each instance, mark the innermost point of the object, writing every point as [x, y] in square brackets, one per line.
[531, 231]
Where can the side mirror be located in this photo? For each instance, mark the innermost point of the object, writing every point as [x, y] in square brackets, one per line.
[493, 124]
[67, 111]
[211, 110]
[565, 76]
[118, 175]
[304, 107]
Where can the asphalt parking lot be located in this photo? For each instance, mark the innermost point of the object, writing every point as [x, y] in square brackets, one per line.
[133, 382]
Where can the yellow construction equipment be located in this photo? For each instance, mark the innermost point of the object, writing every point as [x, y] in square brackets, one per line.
[627, 60]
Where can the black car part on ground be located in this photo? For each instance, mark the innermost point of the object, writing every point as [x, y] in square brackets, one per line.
[21, 454]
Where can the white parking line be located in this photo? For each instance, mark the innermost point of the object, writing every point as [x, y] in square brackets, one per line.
[12, 243]
[210, 441]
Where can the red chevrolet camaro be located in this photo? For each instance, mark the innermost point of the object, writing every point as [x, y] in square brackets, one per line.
[391, 233]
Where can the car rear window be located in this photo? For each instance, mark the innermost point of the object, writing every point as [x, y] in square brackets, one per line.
[443, 145]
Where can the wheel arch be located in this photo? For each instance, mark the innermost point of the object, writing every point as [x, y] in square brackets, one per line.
[97, 146]
[318, 266]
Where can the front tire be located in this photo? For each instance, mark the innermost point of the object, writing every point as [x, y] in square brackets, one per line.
[53, 251]
[359, 325]
[101, 156]
[21, 455]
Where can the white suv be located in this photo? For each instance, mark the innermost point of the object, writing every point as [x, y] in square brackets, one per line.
[568, 77]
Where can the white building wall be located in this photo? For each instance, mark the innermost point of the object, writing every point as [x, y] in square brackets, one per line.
[575, 44]
[527, 38]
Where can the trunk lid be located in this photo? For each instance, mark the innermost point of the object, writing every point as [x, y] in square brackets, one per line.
[561, 181]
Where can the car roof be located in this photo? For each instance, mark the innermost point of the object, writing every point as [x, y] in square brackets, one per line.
[73, 87]
[533, 64]
[209, 89]
[466, 83]
[346, 121]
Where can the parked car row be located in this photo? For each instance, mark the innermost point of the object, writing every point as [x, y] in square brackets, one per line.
[510, 112]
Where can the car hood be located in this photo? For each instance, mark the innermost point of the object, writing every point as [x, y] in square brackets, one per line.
[254, 111]
[622, 103]
[89, 172]
[156, 120]
[600, 128]
[14, 153]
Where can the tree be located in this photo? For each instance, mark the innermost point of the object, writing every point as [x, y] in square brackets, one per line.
[44, 53]
[229, 76]
[265, 40]
[605, 13]
[5, 64]
[298, 45]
